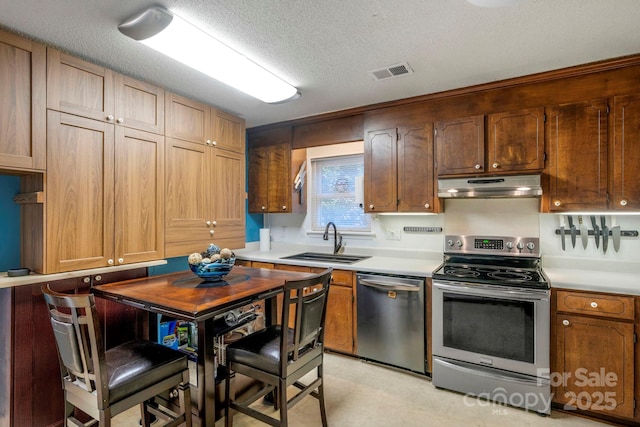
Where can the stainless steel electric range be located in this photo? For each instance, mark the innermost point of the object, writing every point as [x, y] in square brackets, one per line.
[491, 309]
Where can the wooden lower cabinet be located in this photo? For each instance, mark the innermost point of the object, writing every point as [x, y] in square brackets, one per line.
[339, 332]
[594, 353]
[30, 389]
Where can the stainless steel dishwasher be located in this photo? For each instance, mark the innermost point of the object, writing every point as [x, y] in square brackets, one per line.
[391, 320]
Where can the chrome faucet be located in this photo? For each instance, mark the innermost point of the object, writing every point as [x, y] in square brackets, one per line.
[337, 238]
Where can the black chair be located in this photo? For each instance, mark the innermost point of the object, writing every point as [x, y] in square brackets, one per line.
[278, 356]
[103, 383]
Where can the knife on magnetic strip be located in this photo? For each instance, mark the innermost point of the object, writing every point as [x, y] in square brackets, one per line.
[615, 233]
[572, 228]
[605, 233]
[584, 232]
[562, 231]
[596, 230]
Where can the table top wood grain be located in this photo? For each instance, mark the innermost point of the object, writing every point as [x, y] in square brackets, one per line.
[185, 295]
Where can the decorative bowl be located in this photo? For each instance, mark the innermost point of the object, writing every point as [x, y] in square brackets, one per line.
[213, 271]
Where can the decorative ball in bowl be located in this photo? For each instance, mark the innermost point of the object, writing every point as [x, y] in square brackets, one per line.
[213, 263]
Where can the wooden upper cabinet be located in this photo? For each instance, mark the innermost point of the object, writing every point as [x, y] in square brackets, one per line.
[626, 153]
[22, 104]
[80, 193]
[186, 119]
[516, 141]
[229, 132]
[139, 105]
[85, 89]
[380, 171]
[460, 146]
[577, 156]
[229, 201]
[416, 186]
[258, 183]
[279, 178]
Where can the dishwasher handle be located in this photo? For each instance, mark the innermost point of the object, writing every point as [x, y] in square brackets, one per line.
[388, 286]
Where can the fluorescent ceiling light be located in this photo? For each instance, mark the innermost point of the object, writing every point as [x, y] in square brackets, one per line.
[171, 35]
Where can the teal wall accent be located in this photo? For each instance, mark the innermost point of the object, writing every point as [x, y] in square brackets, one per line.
[9, 223]
[254, 222]
[173, 265]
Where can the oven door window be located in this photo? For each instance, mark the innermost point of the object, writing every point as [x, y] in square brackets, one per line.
[491, 326]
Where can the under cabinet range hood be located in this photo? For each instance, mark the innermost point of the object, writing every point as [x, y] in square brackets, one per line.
[490, 187]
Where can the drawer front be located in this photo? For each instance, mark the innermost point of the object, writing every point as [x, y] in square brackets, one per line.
[619, 307]
[342, 278]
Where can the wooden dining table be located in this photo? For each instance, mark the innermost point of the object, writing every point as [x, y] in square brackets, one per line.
[184, 296]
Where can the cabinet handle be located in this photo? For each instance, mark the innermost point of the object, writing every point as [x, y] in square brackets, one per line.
[110, 261]
[98, 278]
[557, 203]
[478, 167]
[120, 260]
[120, 120]
[371, 207]
[427, 206]
[623, 202]
[284, 207]
[496, 165]
[594, 304]
[86, 280]
[565, 322]
[110, 117]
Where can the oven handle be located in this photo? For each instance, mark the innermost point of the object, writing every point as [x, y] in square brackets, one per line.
[388, 286]
[528, 381]
[481, 290]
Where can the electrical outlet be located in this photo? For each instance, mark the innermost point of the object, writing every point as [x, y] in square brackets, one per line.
[392, 234]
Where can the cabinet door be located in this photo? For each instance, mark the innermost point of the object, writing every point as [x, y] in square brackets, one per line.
[258, 179]
[228, 132]
[626, 152]
[460, 146]
[139, 105]
[415, 169]
[186, 119]
[380, 171]
[577, 149]
[279, 181]
[188, 193]
[516, 141]
[79, 196]
[338, 333]
[79, 87]
[22, 104]
[229, 198]
[596, 357]
[139, 196]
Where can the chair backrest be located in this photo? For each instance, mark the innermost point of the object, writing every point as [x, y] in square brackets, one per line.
[78, 335]
[310, 310]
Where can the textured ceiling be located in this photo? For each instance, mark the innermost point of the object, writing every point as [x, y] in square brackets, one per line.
[326, 47]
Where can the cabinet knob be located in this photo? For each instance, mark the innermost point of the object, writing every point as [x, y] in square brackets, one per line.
[120, 120]
[496, 165]
[208, 223]
[263, 208]
[120, 260]
[427, 206]
[98, 278]
[208, 142]
[110, 117]
[557, 203]
[284, 207]
[623, 202]
[86, 280]
[594, 304]
[110, 261]
[214, 142]
[478, 167]
[214, 223]
[211, 232]
[371, 207]
[565, 322]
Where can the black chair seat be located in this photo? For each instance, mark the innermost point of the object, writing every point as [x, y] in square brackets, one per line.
[136, 365]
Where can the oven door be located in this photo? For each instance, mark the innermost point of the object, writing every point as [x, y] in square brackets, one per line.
[494, 326]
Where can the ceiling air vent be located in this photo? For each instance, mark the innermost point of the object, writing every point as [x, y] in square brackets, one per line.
[395, 70]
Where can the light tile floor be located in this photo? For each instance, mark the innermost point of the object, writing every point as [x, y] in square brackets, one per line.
[360, 394]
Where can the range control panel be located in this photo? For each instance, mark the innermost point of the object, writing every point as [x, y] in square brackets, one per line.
[492, 245]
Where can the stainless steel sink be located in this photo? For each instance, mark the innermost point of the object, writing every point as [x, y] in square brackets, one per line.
[330, 258]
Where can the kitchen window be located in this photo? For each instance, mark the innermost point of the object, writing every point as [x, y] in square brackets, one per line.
[334, 196]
